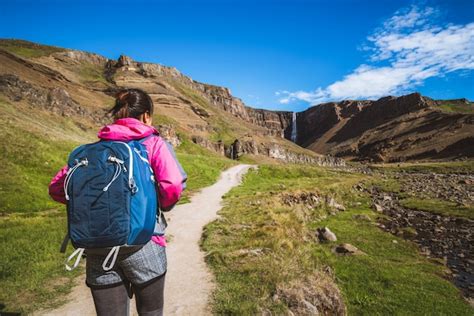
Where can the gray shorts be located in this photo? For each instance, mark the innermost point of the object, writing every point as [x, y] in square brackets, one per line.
[137, 267]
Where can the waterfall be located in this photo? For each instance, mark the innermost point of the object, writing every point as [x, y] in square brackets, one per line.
[293, 128]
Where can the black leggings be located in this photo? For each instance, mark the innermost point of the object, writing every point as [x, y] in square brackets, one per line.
[115, 300]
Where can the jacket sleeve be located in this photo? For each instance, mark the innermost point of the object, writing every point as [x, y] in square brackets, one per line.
[56, 186]
[169, 175]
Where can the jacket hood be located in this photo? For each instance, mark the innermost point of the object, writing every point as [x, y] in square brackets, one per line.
[126, 129]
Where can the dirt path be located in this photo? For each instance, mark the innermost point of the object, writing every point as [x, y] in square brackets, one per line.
[188, 280]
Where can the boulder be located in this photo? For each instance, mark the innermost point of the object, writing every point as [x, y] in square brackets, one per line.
[325, 234]
[347, 250]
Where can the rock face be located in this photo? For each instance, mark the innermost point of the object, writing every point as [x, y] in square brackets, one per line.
[56, 100]
[277, 122]
[390, 129]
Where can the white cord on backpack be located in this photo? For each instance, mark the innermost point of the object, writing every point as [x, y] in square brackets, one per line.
[78, 252]
[114, 251]
[83, 162]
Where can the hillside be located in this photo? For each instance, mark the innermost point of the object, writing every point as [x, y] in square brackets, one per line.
[80, 86]
[391, 129]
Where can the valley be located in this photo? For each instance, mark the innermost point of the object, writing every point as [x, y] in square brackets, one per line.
[392, 179]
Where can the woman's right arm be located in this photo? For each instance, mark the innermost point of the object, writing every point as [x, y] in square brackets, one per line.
[56, 186]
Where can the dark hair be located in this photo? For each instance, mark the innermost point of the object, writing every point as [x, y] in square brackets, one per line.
[131, 103]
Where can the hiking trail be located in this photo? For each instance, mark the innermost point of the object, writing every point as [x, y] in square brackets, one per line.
[189, 282]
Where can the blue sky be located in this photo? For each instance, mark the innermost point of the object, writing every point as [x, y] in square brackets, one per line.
[283, 55]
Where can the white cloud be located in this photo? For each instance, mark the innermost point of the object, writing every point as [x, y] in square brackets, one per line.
[406, 50]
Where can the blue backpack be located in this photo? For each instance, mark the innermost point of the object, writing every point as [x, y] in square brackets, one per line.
[111, 198]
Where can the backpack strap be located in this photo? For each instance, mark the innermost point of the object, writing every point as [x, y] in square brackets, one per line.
[64, 243]
[112, 254]
[78, 252]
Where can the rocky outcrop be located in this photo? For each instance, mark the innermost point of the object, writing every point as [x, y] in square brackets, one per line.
[81, 57]
[218, 147]
[277, 123]
[56, 100]
[169, 134]
[273, 150]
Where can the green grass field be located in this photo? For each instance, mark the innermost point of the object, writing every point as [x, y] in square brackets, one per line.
[391, 279]
[424, 167]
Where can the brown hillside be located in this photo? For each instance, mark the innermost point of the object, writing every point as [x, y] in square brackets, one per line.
[80, 86]
[389, 129]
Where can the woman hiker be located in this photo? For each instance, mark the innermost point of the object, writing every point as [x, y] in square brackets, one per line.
[140, 269]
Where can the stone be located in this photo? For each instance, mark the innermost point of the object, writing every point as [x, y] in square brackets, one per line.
[377, 207]
[332, 203]
[310, 308]
[325, 234]
[347, 249]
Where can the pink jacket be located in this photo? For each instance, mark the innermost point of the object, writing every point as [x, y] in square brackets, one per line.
[170, 176]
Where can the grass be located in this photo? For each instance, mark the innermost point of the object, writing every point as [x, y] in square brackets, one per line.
[393, 278]
[29, 160]
[32, 273]
[32, 225]
[91, 74]
[160, 119]
[457, 107]
[426, 167]
[28, 49]
[439, 207]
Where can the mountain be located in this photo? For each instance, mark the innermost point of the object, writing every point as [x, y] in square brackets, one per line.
[391, 129]
[79, 87]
